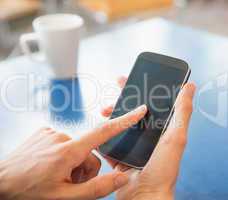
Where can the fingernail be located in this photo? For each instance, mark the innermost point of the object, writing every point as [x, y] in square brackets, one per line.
[121, 180]
[142, 108]
[191, 88]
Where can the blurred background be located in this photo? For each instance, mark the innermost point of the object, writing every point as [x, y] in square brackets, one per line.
[103, 15]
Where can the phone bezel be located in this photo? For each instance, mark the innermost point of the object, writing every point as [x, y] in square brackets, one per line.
[168, 61]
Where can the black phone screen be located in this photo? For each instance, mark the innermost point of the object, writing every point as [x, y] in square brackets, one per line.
[156, 84]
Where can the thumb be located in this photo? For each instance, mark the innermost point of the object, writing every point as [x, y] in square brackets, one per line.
[183, 108]
[98, 187]
[167, 155]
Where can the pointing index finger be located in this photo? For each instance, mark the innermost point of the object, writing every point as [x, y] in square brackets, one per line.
[111, 128]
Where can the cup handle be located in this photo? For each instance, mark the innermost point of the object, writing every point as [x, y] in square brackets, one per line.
[25, 42]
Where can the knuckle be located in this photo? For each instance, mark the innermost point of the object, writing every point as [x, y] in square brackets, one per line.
[60, 137]
[105, 126]
[64, 151]
[176, 137]
[45, 130]
[181, 140]
[63, 135]
[187, 106]
[184, 143]
[122, 123]
[109, 126]
[166, 139]
[64, 154]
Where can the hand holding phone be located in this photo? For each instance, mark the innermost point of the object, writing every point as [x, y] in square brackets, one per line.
[155, 81]
[157, 179]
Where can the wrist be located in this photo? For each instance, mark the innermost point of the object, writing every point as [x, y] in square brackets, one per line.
[4, 182]
[154, 197]
[144, 194]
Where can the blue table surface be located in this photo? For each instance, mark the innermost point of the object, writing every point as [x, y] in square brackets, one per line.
[204, 170]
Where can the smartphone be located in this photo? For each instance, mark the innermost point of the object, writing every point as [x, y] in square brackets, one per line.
[155, 80]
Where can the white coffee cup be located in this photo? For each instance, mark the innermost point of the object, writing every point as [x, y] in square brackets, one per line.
[57, 37]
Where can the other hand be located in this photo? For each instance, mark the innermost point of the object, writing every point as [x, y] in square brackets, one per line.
[158, 178]
[51, 165]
